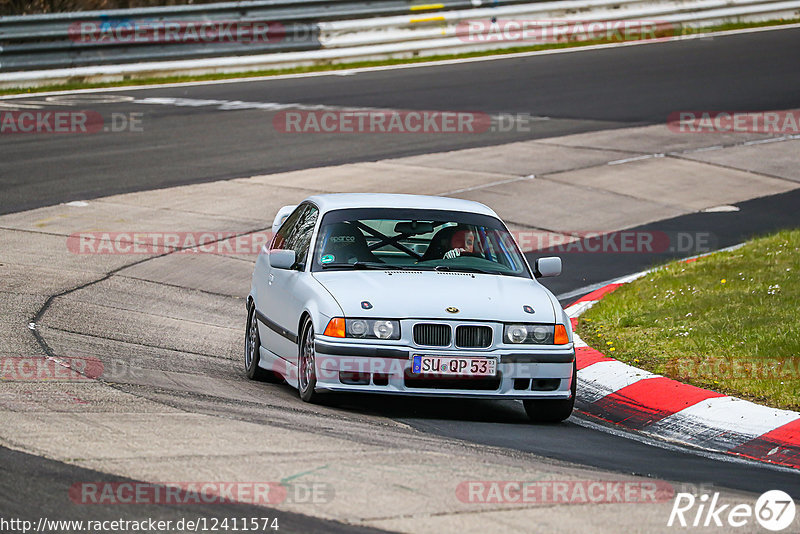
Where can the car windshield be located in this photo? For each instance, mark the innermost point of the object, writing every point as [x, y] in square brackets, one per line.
[416, 239]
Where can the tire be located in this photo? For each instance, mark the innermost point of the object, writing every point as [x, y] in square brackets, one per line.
[553, 411]
[306, 364]
[252, 342]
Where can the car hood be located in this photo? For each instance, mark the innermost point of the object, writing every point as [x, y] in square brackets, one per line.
[424, 294]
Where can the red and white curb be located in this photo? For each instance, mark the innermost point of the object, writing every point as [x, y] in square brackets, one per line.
[668, 409]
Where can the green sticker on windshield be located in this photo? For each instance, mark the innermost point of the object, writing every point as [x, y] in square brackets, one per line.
[327, 258]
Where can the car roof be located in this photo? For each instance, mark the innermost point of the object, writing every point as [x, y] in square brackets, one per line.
[337, 201]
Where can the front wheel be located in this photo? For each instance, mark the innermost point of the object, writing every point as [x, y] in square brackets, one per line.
[553, 411]
[252, 343]
[306, 363]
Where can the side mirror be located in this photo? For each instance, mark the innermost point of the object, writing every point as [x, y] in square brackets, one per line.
[282, 259]
[550, 266]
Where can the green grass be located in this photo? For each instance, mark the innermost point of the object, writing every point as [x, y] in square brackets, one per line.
[727, 322]
[361, 64]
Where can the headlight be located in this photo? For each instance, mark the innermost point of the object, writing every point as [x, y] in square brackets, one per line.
[516, 333]
[541, 334]
[372, 328]
[358, 328]
[383, 329]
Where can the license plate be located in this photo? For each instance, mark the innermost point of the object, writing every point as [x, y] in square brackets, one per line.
[453, 365]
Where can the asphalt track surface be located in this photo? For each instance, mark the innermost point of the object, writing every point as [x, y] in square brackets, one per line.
[578, 91]
[584, 91]
[37, 487]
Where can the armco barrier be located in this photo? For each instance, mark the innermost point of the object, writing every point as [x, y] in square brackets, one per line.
[55, 40]
[51, 49]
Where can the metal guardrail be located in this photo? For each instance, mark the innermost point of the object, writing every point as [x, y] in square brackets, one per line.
[35, 50]
[671, 17]
[61, 40]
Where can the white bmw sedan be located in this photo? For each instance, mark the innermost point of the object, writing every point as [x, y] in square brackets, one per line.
[408, 295]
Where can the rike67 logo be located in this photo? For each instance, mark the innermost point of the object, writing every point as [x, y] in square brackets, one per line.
[774, 510]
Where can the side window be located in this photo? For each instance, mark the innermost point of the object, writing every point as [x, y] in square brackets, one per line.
[304, 230]
[295, 232]
[282, 238]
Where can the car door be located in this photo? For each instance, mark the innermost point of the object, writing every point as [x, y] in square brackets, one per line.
[283, 305]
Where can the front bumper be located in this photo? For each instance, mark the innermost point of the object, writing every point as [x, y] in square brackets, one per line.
[522, 372]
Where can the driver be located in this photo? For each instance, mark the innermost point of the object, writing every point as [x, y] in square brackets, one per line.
[463, 241]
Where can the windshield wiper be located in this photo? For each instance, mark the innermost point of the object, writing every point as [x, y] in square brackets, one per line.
[464, 269]
[361, 265]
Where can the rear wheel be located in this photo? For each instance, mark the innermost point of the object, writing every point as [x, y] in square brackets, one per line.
[252, 342]
[553, 411]
[306, 365]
